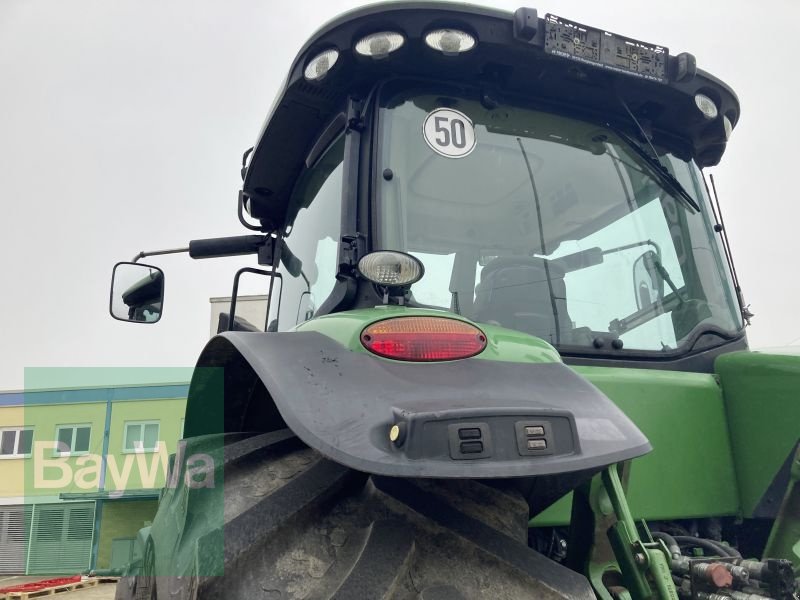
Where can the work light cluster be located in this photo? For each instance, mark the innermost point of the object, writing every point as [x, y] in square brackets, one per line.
[450, 42]
[381, 44]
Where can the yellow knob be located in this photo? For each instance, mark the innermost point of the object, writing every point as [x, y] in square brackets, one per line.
[394, 433]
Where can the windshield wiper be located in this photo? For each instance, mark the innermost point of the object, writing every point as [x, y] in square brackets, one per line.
[657, 168]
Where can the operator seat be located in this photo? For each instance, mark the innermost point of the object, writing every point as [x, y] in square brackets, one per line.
[515, 293]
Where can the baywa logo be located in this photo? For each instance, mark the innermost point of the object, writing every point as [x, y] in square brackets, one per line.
[53, 468]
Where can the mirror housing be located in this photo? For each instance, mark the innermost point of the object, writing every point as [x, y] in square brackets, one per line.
[648, 283]
[137, 293]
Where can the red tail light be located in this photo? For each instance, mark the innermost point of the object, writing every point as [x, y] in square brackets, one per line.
[423, 339]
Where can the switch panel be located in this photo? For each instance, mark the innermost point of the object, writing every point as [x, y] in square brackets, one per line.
[534, 438]
[469, 441]
[469, 433]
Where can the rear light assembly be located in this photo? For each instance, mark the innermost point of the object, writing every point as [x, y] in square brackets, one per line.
[423, 339]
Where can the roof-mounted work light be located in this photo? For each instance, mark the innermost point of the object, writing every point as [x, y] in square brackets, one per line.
[380, 45]
[321, 64]
[706, 106]
[728, 126]
[450, 42]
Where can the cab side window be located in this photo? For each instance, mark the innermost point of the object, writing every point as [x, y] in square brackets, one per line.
[315, 214]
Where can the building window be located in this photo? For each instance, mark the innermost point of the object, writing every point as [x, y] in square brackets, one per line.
[141, 436]
[15, 442]
[72, 439]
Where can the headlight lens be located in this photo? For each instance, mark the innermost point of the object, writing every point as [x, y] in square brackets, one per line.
[728, 127]
[321, 64]
[706, 106]
[381, 44]
[450, 42]
[391, 269]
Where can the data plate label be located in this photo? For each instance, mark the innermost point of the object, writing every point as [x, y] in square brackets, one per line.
[604, 49]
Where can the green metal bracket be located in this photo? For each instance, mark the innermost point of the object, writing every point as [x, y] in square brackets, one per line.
[619, 563]
[588, 548]
[643, 563]
[784, 539]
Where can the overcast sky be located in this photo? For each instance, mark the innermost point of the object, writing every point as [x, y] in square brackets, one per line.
[122, 126]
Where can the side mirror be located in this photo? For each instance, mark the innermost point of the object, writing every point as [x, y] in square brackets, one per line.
[137, 293]
[648, 284]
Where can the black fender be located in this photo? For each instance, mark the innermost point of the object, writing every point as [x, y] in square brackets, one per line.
[468, 418]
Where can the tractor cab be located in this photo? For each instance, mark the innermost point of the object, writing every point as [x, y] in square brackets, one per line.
[548, 224]
[547, 175]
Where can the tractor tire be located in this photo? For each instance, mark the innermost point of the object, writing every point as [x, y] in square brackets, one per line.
[299, 526]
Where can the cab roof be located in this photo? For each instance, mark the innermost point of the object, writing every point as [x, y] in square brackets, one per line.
[512, 55]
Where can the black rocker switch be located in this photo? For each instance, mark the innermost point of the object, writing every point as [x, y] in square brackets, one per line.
[469, 433]
[471, 447]
[469, 441]
[534, 438]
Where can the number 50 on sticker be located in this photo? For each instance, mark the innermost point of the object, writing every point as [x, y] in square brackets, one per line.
[449, 133]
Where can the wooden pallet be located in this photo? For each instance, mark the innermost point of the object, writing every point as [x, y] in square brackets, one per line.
[50, 591]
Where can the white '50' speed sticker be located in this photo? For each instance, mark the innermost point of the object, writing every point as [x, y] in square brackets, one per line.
[449, 133]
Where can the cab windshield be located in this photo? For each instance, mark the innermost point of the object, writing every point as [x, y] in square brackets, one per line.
[548, 225]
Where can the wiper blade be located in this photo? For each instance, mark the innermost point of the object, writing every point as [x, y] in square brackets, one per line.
[667, 180]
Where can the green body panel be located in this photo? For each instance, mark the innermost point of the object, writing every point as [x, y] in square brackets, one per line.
[690, 472]
[502, 344]
[714, 453]
[784, 539]
[762, 397]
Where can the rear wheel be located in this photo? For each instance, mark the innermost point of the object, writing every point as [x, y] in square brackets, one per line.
[146, 584]
[297, 525]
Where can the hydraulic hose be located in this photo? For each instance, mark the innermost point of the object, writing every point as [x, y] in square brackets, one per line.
[672, 544]
[710, 545]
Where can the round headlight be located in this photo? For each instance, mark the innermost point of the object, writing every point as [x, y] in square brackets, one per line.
[450, 42]
[319, 66]
[728, 127]
[706, 106]
[390, 268]
[378, 45]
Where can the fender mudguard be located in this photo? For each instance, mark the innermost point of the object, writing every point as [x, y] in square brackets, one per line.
[469, 418]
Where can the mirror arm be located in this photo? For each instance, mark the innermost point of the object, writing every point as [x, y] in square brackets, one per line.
[665, 276]
[143, 254]
[214, 247]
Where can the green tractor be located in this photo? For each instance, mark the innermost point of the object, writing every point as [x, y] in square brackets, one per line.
[505, 352]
